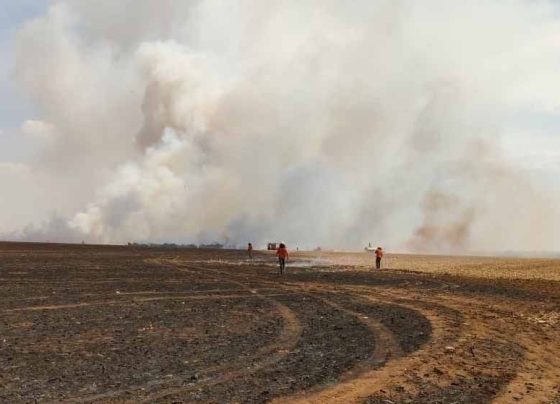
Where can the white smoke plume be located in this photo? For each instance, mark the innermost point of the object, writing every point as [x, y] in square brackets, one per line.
[326, 123]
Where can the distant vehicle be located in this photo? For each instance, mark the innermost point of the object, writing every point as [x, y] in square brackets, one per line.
[370, 248]
[272, 246]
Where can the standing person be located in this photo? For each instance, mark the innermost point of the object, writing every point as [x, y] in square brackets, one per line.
[378, 256]
[282, 254]
[250, 250]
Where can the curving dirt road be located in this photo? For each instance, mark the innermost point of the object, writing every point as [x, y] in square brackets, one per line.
[115, 324]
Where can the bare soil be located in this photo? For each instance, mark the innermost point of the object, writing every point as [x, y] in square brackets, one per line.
[122, 324]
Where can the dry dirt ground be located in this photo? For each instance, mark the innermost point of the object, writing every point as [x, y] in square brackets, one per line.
[119, 324]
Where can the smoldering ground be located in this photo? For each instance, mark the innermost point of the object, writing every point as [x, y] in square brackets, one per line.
[319, 122]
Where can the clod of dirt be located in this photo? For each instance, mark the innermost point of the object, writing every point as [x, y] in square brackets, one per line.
[438, 371]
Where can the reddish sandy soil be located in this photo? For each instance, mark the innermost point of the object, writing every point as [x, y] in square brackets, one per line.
[119, 324]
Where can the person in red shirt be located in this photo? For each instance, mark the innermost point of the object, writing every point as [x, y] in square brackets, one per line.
[250, 250]
[378, 256]
[282, 253]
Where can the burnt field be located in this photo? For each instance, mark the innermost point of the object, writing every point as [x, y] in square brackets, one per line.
[119, 324]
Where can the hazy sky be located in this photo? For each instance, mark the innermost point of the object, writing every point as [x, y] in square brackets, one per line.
[537, 136]
[102, 111]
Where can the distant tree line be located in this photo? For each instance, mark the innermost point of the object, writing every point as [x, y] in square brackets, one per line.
[174, 246]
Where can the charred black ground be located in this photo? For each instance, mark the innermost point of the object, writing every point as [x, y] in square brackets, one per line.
[114, 324]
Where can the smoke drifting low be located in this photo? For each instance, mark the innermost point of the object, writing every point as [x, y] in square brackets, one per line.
[315, 122]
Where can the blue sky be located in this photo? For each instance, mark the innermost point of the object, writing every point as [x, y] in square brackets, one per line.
[15, 107]
[14, 14]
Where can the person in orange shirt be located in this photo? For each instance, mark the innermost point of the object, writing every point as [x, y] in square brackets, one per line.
[250, 250]
[378, 256]
[282, 253]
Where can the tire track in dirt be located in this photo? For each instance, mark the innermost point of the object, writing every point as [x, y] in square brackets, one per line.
[505, 385]
[354, 381]
[369, 381]
[480, 351]
[268, 355]
[504, 390]
[532, 382]
[494, 322]
[384, 348]
[263, 357]
[356, 384]
[443, 375]
[499, 351]
[141, 300]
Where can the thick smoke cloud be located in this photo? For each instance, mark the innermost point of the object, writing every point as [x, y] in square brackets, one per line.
[315, 122]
